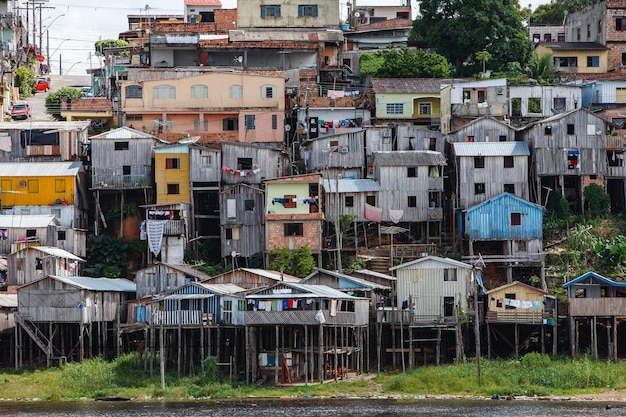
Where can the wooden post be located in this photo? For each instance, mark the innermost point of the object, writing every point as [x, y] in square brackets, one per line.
[615, 339]
[572, 336]
[438, 349]
[202, 352]
[402, 340]
[336, 362]
[276, 361]
[594, 337]
[516, 340]
[162, 355]
[476, 330]
[321, 354]
[306, 354]
[489, 353]
[180, 337]
[411, 349]
[378, 343]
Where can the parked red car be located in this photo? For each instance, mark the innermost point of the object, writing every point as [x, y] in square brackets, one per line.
[42, 84]
[20, 111]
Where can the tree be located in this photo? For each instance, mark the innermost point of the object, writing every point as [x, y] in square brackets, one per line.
[101, 45]
[458, 29]
[404, 63]
[106, 256]
[484, 57]
[54, 99]
[299, 262]
[553, 13]
[598, 202]
[24, 81]
[542, 69]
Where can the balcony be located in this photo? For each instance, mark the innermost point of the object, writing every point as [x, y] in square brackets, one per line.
[520, 317]
[104, 180]
[396, 316]
[435, 184]
[615, 142]
[182, 318]
[174, 228]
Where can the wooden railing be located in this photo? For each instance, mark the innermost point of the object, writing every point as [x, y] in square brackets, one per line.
[301, 317]
[182, 318]
[597, 306]
[117, 182]
[519, 316]
[393, 315]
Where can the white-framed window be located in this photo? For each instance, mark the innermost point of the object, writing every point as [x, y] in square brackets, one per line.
[199, 91]
[196, 124]
[395, 108]
[134, 91]
[163, 92]
[205, 158]
[425, 108]
[235, 91]
[268, 91]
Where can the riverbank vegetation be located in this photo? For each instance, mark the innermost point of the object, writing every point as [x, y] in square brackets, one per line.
[129, 377]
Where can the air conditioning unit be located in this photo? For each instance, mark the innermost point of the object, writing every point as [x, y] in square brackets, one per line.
[344, 149]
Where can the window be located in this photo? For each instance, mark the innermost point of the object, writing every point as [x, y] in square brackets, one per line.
[274, 122]
[307, 10]
[432, 144]
[623, 58]
[593, 61]
[231, 209]
[159, 125]
[482, 96]
[509, 162]
[412, 201]
[268, 91]
[38, 264]
[163, 92]
[173, 189]
[131, 117]
[534, 105]
[395, 108]
[60, 234]
[349, 201]
[411, 172]
[293, 229]
[126, 170]
[425, 108]
[578, 34]
[199, 91]
[172, 163]
[570, 129]
[620, 23]
[479, 188]
[588, 31]
[248, 205]
[509, 188]
[196, 124]
[270, 10]
[32, 233]
[469, 138]
[599, 27]
[232, 233]
[449, 274]
[249, 120]
[244, 163]
[235, 91]
[516, 219]
[479, 162]
[290, 201]
[59, 185]
[120, 146]
[565, 61]
[371, 200]
[547, 131]
[560, 37]
[509, 296]
[33, 186]
[230, 123]
[134, 91]
[205, 158]
[467, 94]
[502, 138]
[558, 103]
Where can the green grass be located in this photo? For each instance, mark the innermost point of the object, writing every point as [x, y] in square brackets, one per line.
[532, 375]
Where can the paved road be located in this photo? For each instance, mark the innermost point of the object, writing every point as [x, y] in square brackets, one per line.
[38, 101]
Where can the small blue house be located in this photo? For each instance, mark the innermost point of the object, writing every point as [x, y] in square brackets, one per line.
[506, 231]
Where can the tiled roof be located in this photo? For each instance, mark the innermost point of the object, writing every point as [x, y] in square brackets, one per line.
[215, 3]
[410, 85]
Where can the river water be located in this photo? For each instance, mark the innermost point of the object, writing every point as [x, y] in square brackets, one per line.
[318, 408]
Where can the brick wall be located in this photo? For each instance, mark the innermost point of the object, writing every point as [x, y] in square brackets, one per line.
[225, 19]
[87, 104]
[275, 235]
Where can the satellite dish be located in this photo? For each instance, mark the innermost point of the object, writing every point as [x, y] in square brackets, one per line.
[357, 14]
[192, 139]
[234, 253]
[287, 128]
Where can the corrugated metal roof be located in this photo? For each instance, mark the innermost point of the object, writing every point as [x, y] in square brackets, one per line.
[28, 221]
[491, 149]
[515, 283]
[172, 148]
[187, 296]
[359, 281]
[351, 186]
[8, 300]
[125, 133]
[375, 274]
[306, 291]
[98, 284]
[405, 158]
[45, 125]
[222, 288]
[448, 261]
[40, 169]
[411, 85]
[216, 3]
[275, 275]
[573, 46]
[58, 252]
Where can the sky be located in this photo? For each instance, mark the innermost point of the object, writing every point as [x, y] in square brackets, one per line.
[73, 26]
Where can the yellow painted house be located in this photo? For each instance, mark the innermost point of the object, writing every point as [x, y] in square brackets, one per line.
[40, 183]
[586, 57]
[171, 174]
